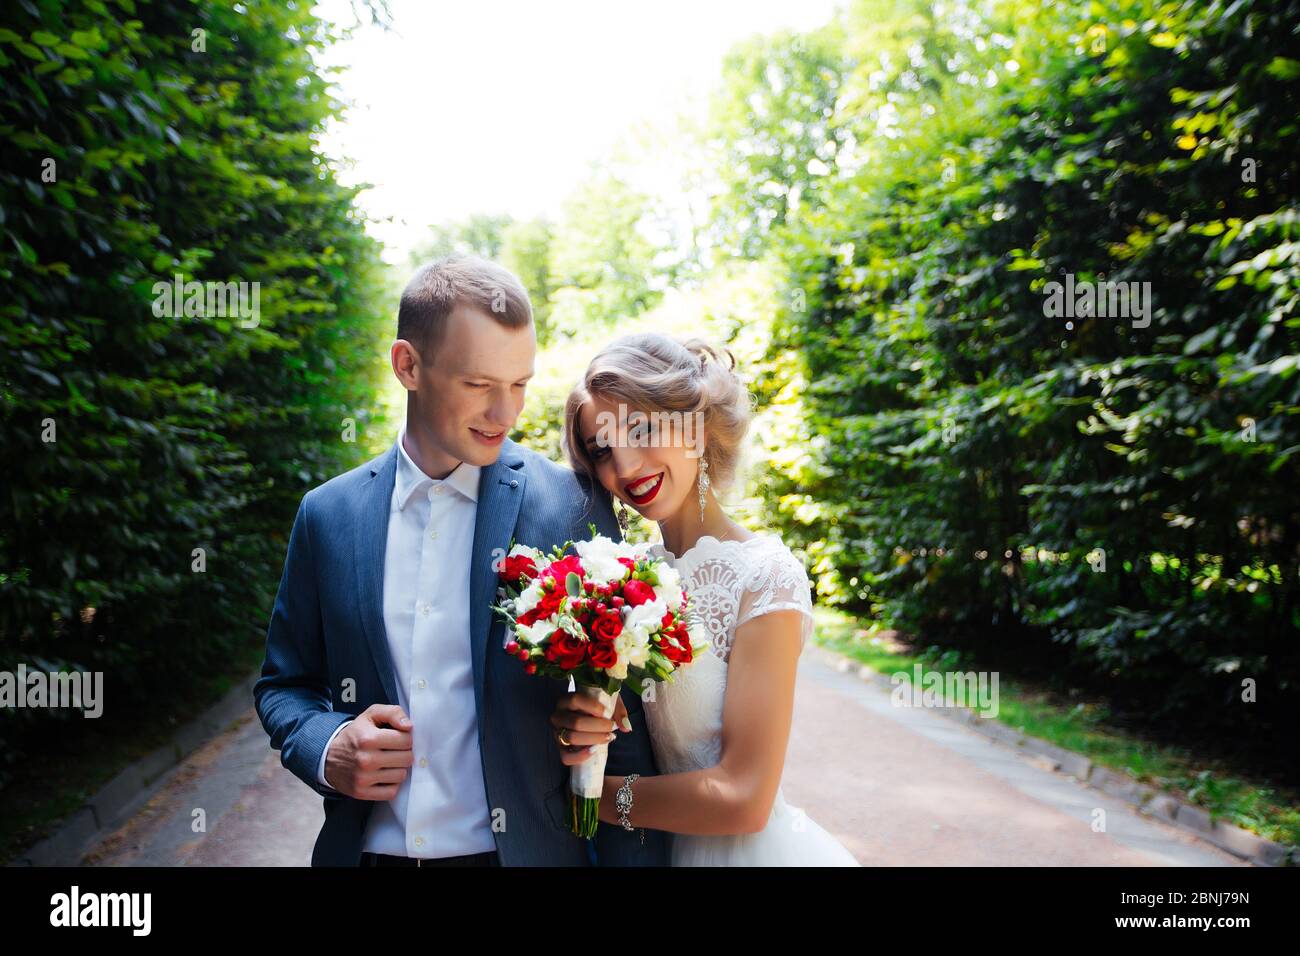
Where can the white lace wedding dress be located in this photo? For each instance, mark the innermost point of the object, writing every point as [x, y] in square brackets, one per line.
[731, 582]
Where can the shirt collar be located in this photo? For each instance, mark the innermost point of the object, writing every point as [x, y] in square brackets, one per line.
[411, 480]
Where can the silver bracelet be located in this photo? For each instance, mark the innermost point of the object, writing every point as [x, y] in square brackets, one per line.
[623, 803]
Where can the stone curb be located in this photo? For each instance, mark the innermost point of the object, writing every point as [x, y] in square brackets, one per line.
[1151, 802]
[119, 799]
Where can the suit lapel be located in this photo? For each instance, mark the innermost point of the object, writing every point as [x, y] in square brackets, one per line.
[500, 491]
[370, 544]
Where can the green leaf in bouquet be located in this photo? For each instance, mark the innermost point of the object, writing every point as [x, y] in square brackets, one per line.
[573, 585]
[636, 682]
[657, 670]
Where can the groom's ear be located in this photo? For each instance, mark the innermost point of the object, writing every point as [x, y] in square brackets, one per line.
[405, 361]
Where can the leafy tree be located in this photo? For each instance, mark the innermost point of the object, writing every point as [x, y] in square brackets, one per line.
[480, 234]
[601, 262]
[526, 251]
[774, 132]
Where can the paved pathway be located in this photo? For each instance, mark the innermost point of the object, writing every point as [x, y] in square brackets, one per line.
[898, 786]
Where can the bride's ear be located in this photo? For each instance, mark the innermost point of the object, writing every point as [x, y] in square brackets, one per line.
[701, 452]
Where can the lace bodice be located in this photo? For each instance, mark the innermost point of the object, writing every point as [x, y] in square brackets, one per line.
[730, 583]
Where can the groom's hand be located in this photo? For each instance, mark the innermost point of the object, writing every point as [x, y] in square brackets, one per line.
[584, 724]
[369, 757]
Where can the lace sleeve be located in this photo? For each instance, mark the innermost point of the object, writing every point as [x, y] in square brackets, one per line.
[777, 581]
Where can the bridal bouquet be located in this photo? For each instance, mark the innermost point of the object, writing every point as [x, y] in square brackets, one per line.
[608, 615]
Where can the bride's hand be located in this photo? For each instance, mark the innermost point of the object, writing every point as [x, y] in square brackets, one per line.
[584, 725]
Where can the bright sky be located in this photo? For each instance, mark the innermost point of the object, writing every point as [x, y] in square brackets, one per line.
[500, 106]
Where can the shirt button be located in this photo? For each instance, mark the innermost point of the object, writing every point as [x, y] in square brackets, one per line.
[423, 762]
[439, 489]
[419, 841]
[425, 609]
[433, 535]
[421, 684]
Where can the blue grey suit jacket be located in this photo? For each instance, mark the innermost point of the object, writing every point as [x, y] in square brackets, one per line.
[328, 626]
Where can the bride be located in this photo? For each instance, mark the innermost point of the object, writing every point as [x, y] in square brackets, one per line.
[719, 730]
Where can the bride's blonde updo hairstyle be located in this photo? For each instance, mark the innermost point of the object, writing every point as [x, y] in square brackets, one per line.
[654, 372]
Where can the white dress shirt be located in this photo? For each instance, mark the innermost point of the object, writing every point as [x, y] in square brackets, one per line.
[441, 808]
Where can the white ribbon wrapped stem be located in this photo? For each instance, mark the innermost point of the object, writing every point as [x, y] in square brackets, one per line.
[587, 779]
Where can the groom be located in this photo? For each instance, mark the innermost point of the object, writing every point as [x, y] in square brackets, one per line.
[385, 687]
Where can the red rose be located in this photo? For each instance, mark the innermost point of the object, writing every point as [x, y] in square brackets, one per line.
[676, 647]
[601, 654]
[565, 650]
[560, 570]
[518, 567]
[637, 592]
[607, 627]
[551, 600]
[544, 608]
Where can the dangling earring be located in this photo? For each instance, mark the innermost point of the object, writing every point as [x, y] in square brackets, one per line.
[702, 482]
[622, 516]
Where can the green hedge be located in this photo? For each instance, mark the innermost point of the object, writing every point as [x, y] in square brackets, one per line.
[173, 152]
[955, 428]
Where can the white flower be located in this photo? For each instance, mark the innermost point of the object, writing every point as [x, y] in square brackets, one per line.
[599, 558]
[632, 649]
[535, 635]
[644, 619]
[528, 598]
[669, 589]
[538, 559]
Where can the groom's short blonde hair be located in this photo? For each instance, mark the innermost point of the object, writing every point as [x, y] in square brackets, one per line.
[459, 279]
